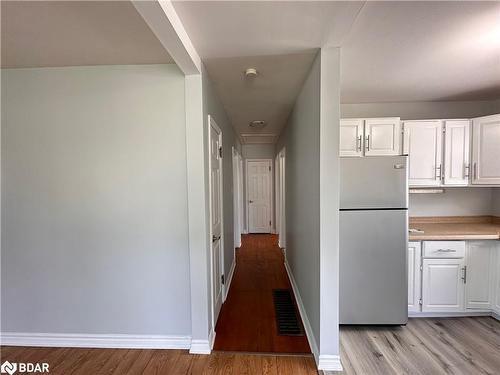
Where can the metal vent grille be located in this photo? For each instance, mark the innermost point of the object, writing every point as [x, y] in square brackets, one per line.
[287, 318]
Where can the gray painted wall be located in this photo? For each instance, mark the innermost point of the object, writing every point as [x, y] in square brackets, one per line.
[258, 151]
[212, 106]
[302, 142]
[422, 110]
[94, 205]
[453, 202]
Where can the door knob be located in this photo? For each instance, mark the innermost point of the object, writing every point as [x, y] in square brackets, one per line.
[250, 201]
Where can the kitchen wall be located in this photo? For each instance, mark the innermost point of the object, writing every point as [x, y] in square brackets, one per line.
[422, 110]
[454, 202]
[94, 202]
[496, 201]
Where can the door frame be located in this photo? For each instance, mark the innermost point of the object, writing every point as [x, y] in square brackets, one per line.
[212, 123]
[237, 197]
[271, 200]
[281, 199]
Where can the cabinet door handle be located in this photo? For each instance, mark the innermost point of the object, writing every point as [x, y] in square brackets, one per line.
[368, 143]
[359, 143]
[464, 275]
[475, 171]
[466, 171]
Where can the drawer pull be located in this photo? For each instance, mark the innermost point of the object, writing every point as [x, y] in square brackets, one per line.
[446, 251]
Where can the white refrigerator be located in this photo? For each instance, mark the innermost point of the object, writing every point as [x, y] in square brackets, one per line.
[373, 240]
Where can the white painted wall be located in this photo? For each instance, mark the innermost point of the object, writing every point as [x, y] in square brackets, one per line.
[453, 202]
[94, 201]
[422, 110]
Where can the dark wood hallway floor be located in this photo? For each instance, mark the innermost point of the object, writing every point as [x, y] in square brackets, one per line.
[247, 319]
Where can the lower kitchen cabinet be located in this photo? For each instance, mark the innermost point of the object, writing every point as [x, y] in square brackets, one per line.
[479, 279]
[454, 277]
[443, 285]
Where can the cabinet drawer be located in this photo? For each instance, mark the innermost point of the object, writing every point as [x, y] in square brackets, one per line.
[444, 249]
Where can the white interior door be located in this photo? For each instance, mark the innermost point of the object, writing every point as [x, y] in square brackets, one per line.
[259, 181]
[216, 219]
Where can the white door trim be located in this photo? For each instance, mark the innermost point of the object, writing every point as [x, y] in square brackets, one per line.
[212, 123]
[282, 197]
[271, 203]
[237, 197]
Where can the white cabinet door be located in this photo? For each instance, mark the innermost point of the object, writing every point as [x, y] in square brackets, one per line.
[456, 152]
[486, 150]
[383, 136]
[442, 285]
[478, 280]
[414, 282]
[422, 143]
[351, 137]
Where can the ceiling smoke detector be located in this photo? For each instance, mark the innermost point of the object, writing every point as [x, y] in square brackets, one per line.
[251, 73]
[257, 124]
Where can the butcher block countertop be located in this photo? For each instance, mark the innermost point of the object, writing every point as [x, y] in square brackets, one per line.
[455, 228]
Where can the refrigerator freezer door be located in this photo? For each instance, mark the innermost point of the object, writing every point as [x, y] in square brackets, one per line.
[374, 182]
[373, 273]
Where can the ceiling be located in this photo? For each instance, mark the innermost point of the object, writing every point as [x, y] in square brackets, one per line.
[391, 51]
[421, 51]
[278, 38]
[71, 33]
[269, 96]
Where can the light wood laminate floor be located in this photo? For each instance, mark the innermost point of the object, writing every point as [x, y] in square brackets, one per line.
[455, 346]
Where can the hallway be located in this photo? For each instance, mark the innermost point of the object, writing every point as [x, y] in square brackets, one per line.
[247, 320]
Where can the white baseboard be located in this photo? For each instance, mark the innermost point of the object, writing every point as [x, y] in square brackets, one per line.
[229, 279]
[303, 315]
[95, 340]
[329, 363]
[448, 314]
[203, 346]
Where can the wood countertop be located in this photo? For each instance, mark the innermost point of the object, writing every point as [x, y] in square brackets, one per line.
[455, 228]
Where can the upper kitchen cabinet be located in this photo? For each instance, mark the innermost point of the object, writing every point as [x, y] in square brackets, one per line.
[456, 152]
[422, 141]
[370, 137]
[486, 150]
[382, 136]
[351, 137]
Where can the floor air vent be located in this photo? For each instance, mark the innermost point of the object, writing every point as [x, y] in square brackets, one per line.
[286, 314]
